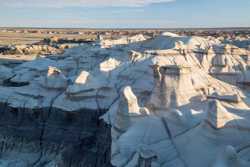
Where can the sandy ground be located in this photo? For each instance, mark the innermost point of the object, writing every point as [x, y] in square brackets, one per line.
[17, 38]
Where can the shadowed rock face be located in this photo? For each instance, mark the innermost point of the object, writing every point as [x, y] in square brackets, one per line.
[71, 139]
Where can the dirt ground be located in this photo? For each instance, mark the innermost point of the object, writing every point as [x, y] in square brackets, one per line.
[18, 38]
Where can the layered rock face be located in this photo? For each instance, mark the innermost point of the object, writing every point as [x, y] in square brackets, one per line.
[167, 101]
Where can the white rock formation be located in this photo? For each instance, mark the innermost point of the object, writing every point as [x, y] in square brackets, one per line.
[174, 88]
[170, 34]
[78, 83]
[128, 109]
[218, 116]
[109, 65]
[170, 100]
[108, 43]
[54, 79]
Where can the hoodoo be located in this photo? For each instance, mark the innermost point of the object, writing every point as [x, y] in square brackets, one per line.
[174, 88]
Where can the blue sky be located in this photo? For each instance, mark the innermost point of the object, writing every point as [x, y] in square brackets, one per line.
[125, 13]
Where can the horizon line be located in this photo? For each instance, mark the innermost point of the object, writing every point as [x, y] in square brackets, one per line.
[125, 28]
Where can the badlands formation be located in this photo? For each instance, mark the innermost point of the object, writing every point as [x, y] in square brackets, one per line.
[167, 101]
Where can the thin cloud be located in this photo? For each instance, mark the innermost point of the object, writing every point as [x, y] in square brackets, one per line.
[80, 3]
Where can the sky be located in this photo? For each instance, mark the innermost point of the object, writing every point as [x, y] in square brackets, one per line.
[124, 13]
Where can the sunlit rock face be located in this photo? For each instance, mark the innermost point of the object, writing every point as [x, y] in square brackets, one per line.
[136, 101]
[107, 43]
[171, 90]
[54, 79]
